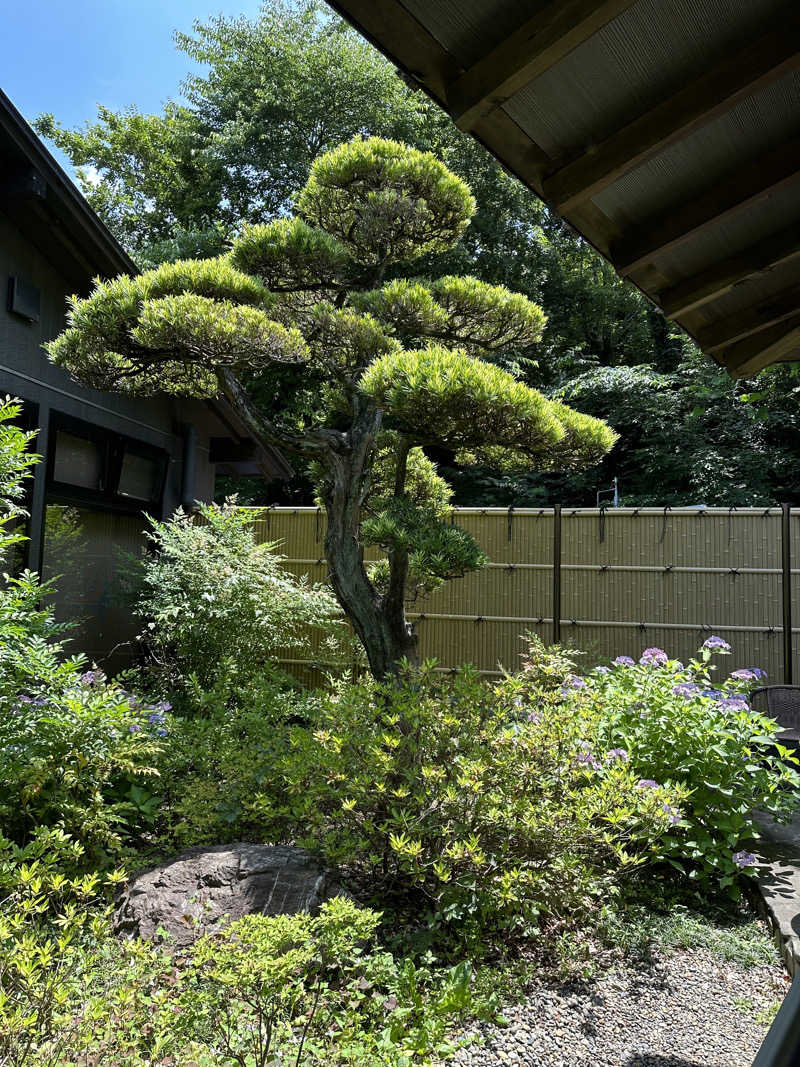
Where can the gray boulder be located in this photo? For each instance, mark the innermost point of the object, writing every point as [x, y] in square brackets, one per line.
[194, 893]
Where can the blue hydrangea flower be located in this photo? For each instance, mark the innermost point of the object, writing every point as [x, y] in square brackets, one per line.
[744, 859]
[716, 644]
[161, 733]
[646, 783]
[654, 657]
[156, 718]
[577, 683]
[623, 661]
[712, 694]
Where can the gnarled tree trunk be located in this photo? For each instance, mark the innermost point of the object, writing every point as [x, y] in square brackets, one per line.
[379, 621]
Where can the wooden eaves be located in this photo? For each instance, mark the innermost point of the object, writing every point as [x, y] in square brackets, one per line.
[721, 256]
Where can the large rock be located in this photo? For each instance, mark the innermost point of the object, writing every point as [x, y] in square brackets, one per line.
[196, 891]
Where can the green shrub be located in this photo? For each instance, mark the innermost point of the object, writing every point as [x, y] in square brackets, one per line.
[679, 727]
[220, 759]
[210, 595]
[480, 813]
[45, 917]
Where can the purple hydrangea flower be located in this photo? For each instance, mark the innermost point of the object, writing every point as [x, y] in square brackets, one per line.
[623, 661]
[716, 644]
[744, 675]
[654, 657]
[134, 728]
[646, 783]
[674, 816]
[90, 677]
[163, 705]
[685, 689]
[733, 704]
[758, 673]
[744, 859]
[602, 670]
[617, 754]
[588, 760]
[577, 683]
[156, 718]
[534, 717]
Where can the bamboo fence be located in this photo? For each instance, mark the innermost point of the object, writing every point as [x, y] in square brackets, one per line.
[610, 582]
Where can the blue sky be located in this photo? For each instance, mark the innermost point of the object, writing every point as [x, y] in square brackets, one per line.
[67, 56]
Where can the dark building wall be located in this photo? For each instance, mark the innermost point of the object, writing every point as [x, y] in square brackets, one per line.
[81, 540]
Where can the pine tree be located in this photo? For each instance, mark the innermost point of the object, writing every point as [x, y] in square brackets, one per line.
[393, 364]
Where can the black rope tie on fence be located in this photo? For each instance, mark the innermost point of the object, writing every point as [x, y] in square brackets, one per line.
[601, 518]
[635, 513]
[510, 521]
[479, 618]
[317, 524]
[733, 572]
[452, 516]
[510, 566]
[573, 622]
[664, 526]
[643, 626]
[270, 509]
[668, 567]
[765, 513]
[731, 510]
[603, 568]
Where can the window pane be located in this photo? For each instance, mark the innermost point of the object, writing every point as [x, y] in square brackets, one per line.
[85, 552]
[78, 461]
[139, 477]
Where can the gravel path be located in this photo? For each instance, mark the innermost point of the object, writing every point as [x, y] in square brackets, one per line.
[688, 1009]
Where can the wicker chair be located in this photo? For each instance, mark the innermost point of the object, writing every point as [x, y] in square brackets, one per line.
[780, 702]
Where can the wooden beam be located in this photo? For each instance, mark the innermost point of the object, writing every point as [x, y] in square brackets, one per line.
[738, 76]
[774, 345]
[719, 278]
[745, 184]
[749, 320]
[542, 41]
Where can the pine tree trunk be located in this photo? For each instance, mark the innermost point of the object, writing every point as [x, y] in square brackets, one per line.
[380, 622]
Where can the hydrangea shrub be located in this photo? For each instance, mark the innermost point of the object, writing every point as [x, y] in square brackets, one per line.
[679, 725]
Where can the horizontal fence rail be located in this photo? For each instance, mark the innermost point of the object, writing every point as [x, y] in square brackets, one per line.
[607, 581]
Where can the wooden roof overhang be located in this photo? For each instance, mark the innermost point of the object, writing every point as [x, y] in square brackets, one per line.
[666, 132]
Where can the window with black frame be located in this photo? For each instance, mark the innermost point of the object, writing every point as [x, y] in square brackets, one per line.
[99, 484]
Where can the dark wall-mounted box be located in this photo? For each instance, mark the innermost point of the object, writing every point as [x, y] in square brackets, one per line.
[24, 299]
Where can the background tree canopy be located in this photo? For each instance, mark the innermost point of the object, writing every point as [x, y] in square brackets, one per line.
[279, 90]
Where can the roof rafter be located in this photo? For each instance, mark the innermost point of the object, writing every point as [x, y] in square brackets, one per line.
[715, 92]
[777, 344]
[746, 183]
[539, 43]
[749, 320]
[719, 278]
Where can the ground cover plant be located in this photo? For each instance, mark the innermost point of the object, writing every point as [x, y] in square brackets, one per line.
[381, 363]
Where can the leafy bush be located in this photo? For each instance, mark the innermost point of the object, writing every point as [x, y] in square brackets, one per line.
[72, 749]
[210, 595]
[220, 759]
[481, 813]
[679, 727]
[71, 744]
[44, 917]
